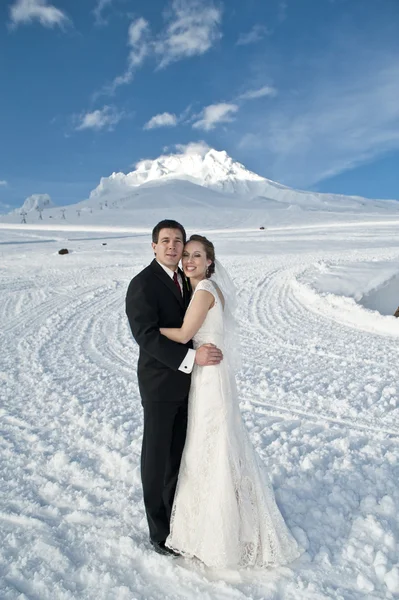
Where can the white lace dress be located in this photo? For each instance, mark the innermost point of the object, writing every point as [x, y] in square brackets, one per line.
[224, 511]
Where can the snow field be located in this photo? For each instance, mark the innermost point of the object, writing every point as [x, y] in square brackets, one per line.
[319, 397]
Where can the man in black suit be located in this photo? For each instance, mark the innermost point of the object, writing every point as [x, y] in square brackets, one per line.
[158, 297]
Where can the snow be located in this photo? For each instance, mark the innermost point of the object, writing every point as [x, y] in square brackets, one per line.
[207, 168]
[344, 287]
[198, 179]
[36, 202]
[210, 168]
[319, 395]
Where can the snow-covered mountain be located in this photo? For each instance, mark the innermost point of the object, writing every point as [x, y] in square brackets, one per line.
[213, 170]
[205, 188]
[198, 164]
[36, 202]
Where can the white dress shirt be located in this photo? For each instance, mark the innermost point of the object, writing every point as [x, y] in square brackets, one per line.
[188, 363]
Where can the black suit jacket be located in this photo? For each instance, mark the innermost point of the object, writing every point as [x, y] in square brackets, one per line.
[153, 301]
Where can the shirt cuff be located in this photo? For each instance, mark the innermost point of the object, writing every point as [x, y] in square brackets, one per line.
[188, 363]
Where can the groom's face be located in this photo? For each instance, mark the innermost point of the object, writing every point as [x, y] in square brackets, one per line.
[169, 248]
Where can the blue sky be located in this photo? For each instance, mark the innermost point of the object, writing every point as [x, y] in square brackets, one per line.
[305, 92]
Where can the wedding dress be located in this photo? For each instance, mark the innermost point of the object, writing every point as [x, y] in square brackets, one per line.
[224, 512]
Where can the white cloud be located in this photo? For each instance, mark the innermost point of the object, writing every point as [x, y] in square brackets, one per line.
[257, 33]
[104, 118]
[137, 34]
[266, 90]
[3, 182]
[99, 9]
[138, 42]
[223, 112]
[162, 120]
[26, 11]
[192, 30]
[191, 148]
[214, 114]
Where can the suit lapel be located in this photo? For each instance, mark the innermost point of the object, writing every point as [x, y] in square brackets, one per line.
[164, 277]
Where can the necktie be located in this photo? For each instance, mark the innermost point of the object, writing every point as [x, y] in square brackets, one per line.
[176, 282]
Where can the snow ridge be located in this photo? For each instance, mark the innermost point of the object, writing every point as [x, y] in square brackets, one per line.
[36, 202]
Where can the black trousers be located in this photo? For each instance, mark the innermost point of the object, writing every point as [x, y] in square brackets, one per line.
[165, 426]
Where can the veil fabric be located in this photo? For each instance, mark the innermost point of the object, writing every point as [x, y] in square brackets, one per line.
[231, 330]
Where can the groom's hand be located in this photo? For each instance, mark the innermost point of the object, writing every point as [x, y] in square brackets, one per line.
[208, 354]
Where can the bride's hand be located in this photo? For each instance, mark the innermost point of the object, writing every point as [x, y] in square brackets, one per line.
[208, 354]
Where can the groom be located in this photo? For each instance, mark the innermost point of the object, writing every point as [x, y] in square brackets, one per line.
[158, 297]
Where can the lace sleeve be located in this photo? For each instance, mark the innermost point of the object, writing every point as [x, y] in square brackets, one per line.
[208, 286]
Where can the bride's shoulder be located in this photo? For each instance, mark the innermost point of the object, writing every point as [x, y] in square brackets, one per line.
[206, 285]
[210, 286]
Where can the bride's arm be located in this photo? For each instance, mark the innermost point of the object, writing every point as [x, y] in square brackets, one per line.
[193, 320]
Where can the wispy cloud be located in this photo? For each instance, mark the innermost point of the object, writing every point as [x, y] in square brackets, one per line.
[138, 42]
[27, 11]
[99, 9]
[282, 10]
[3, 182]
[256, 34]
[266, 90]
[214, 114]
[193, 148]
[191, 30]
[333, 125]
[162, 120]
[226, 112]
[211, 115]
[104, 118]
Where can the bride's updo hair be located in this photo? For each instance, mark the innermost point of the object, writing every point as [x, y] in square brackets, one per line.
[209, 251]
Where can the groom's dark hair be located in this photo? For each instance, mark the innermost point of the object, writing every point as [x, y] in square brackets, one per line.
[167, 224]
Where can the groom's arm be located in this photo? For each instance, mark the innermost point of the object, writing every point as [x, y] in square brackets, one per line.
[195, 316]
[205, 355]
[143, 316]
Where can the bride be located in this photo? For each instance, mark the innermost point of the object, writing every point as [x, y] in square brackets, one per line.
[224, 511]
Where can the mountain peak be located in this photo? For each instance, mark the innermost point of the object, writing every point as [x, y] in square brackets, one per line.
[195, 162]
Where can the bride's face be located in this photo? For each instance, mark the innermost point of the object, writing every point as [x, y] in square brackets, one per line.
[194, 260]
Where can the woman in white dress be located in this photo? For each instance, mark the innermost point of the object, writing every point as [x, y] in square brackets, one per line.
[224, 511]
